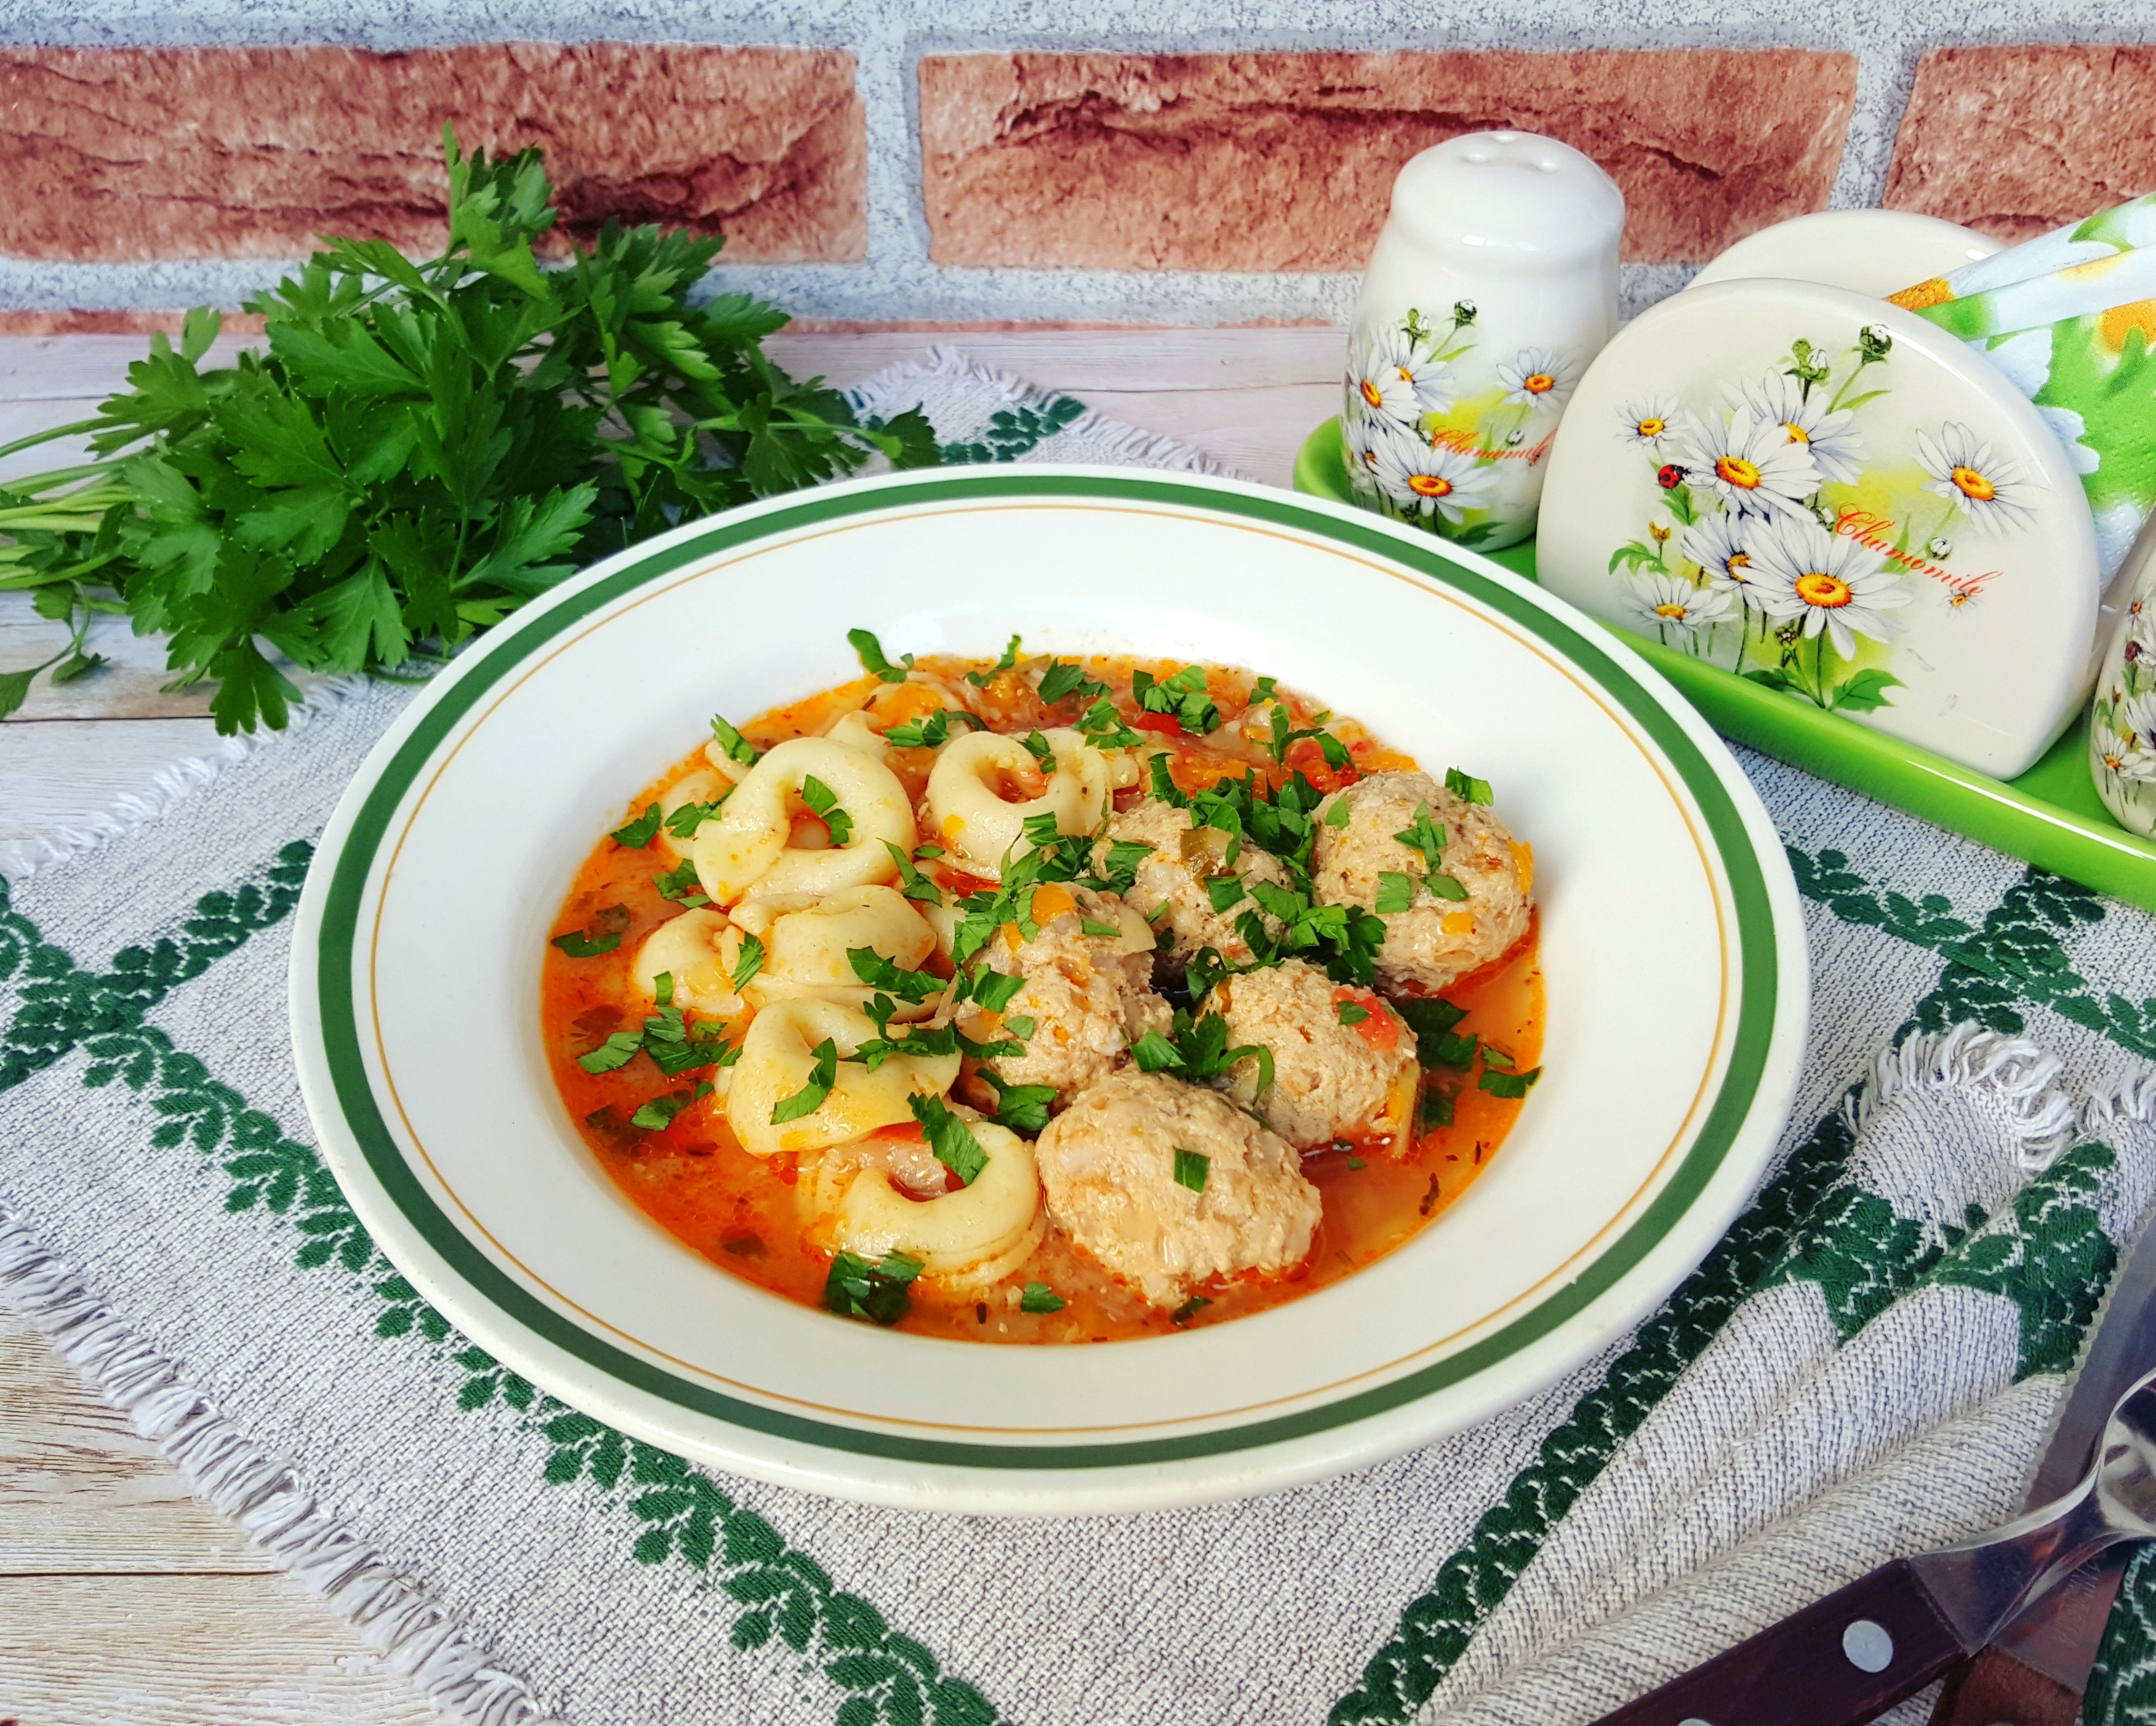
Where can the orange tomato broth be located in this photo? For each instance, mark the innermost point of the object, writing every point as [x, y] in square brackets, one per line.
[741, 1213]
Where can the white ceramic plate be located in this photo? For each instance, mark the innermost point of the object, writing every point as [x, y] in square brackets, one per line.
[1670, 940]
[1874, 253]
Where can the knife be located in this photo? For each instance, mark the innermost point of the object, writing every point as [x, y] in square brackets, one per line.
[1848, 1658]
[2035, 1672]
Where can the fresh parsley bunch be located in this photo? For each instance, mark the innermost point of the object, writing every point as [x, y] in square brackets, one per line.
[424, 447]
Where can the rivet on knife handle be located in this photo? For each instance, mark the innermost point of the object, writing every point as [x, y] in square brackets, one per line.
[1841, 1662]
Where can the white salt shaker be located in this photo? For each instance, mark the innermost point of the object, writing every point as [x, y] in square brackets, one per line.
[1493, 284]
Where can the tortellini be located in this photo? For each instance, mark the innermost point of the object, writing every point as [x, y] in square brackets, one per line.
[778, 1060]
[698, 949]
[968, 1239]
[969, 816]
[701, 786]
[746, 850]
[856, 733]
[806, 946]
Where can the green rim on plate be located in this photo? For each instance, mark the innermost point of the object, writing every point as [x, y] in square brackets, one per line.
[2050, 816]
[513, 645]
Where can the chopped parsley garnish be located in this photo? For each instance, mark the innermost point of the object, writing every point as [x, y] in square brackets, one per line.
[1191, 1168]
[878, 972]
[1125, 856]
[1199, 1051]
[1447, 886]
[1448, 1049]
[932, 732]
[657, 1115]
[1339, 815]
[1039, 1297]
[1347, 936]
[1155, 1054]
[1226, 892]
[604, 935]
[1163, 784]
[872, 657]
[1492, 1055]
[749, 963]
[1395, 892]
[982, 679]
[1350, 1013]
[1426, 836]
[926, 850]
[1064, 678]
[1437, 1107]
[811, 1097]
[911, 882]
[1429, 1020]
[1184, 694]
[1040, 749]
[1023, 1108]
[1020, 1025]
[1188, 1310]
[823, 802]
[1467, 786]
[858, 1288]
[736, 747]
[949, 1138]
[1103, 726]
[636, 834]
[992, 989]
[1086, 926]
[680, 885]
[684, 821]
[1261, 691]
[1284, 737]
[1513, 1084]
[1356, 1163]
[617, 1051]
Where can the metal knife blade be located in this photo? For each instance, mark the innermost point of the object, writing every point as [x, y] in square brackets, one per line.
[2044, 1658]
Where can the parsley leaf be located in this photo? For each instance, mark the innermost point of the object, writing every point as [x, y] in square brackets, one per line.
[617, 1051]
[680, 885]
[1163, 783]
[602, 936]
[1184, 694]
[982, 679]
[1188, 1310]
[639, 833]
[732, 744]
[1039, 1297]
[1023, 1108]
[1513, 1084]
[1429, 1020]
[1445, 886]
[1191, 1168]
[1426, 836]
[949, 1138]
[993, 988]
[1350, 1013]
[911, 882]
[657, 1115]
[1040, 749]
[684, 821]
[1285, 737]
[823, 803]
[1226, 892]
[878, 972]
[1102, 726]
[872, 657]
[1020, 1025]
[1125, 857]
[1198, 1050]
[858, 1288]
[1395, 892]
[1086, 926]
[811, 1097]
[1339, 815]
[749, 963]
[1448, 1049]
[1064, 678]
[1261, 691]
[1437, 1107]
[932, 732]
[1466, 786]
[1155, 1054]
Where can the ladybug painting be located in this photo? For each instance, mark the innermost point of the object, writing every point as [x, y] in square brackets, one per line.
[1670, 477]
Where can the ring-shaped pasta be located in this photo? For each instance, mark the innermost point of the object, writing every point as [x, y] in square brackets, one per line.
[692, 948]
[979, 828]
[746, 850]
[854, 730]
[779, 1059]
[970, 1238]
[808, 949]
[701, 786]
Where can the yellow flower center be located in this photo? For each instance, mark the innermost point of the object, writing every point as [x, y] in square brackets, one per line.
[1973, 485]
[1797, 434]
[1406, 376]
[1536, 382]
[1738, 561]
[2114, 762]
[1823, 590]
[1673, 609]
[1961, 599]
[1736, 470]
[1372, 394]
[1428, 485]
[1653, 427]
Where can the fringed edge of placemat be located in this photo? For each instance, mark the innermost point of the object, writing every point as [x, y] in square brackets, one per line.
[1968, 1056]
[393, 1615]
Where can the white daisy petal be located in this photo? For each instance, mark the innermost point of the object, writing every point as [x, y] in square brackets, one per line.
[1390, 377]
[1663, 603]
[1987, 488]
[1751, 466]
[1420, 479]
[1654, 423]
[1835, 447]
[1834, 584]
[1537, 378]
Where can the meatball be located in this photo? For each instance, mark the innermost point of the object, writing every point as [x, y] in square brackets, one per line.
[1171, 888]
[1109, 1161]
[1331, 1081]
[1435, 942]
[1089, 996]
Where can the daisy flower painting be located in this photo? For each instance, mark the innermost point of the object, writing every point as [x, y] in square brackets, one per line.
[1395, 380]
[1828, 434]
[1830, 582]
[1537, 379]
[1670, 606]
[1420, 479]
[1982, 486]
[1655, 424]
[1750, 465]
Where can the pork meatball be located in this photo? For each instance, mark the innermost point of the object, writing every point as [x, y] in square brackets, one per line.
[1331, 1080]
[1436, 941]
[1108, 1163]
[1171, 886]
[1089, 996]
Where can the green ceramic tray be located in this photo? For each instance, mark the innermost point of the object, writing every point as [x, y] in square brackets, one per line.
[2050, 815]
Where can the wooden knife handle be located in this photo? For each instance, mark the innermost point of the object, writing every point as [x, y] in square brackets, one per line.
[1995, 1689]
[1840, 1662]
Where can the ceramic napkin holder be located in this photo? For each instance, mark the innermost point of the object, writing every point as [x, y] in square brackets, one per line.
[1492, 284]
[1832, 497]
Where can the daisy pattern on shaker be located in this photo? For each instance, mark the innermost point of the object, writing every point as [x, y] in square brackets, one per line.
[1652, 424]
[1837, 585]
[1423, 479]
[1392, 380]
[1537, 377]
[1715, 543]
[2137, 751]
[1832, 439]
[1965, 470]
[1751, 465]
[1663, 603]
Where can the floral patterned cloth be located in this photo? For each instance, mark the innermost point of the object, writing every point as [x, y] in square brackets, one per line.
[1864, 1366]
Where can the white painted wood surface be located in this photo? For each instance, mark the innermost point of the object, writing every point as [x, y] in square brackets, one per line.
[122, 1600]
